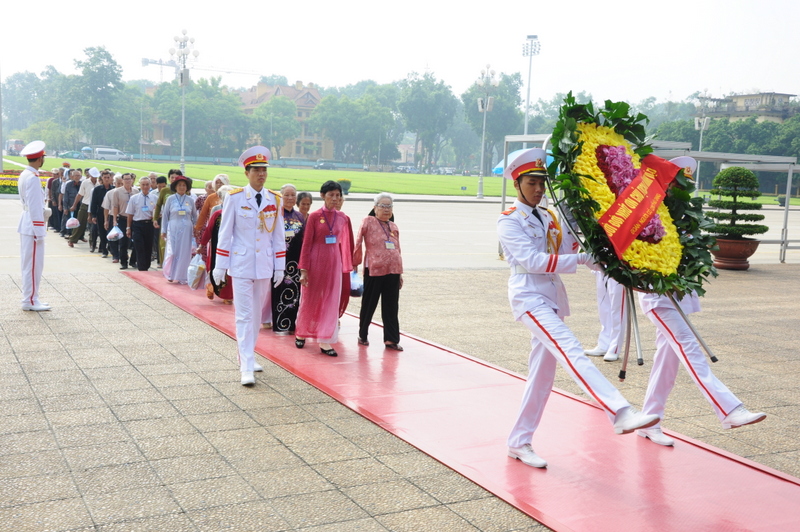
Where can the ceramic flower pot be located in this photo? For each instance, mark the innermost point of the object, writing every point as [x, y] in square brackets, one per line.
[733, 253]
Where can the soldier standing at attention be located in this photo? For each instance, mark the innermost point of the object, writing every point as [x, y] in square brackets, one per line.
[32, 228]
[537, 251]
[252, 247]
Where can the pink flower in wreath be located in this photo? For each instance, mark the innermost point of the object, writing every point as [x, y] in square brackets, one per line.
[618, 168]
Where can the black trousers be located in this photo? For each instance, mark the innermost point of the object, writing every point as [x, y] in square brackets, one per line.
[113, 245]
[142, 235]
[387, 289]
[123, 243]
[102, 234]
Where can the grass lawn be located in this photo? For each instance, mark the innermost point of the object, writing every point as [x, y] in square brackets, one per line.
[306, 179]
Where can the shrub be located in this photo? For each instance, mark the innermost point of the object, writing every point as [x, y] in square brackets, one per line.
[735, 183]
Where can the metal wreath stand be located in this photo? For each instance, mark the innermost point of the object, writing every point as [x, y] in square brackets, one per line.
[631, 323]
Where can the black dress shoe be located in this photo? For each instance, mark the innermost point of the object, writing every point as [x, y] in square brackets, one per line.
[123, 267]
[329, 352]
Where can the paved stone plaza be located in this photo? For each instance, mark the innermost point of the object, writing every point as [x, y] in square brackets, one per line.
[119, 411]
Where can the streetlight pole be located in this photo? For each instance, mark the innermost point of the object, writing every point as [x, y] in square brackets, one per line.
[185, 47]
[701, 124]
[488, 82]
[531, 47]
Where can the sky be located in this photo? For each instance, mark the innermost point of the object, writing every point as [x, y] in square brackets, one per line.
[624, 50]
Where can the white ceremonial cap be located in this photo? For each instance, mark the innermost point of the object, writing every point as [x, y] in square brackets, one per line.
[689, 165]
[530, 161]
[94, 172]
[255, 156]
[34, 150]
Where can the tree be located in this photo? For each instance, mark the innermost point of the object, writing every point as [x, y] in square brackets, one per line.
[216, 125]
[463, 140]
[544, 113]
[275, 121]
[505, 118]
[58, 99]
[53, 134]
[98, 86]
[428, 107]
[273, 80]
[20, 92]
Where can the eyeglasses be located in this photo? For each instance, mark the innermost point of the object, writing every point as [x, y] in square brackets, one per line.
[384, 205]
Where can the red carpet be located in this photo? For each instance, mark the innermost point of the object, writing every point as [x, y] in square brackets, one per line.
[459, 410]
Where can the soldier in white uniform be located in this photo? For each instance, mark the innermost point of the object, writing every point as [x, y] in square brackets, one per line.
[611, 307]
[252, 249]
[537, 251]
[676, 343]
[32, 226]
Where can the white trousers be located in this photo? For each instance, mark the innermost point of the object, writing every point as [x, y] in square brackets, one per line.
[553, 342]
[676, 344]
[32, 262]
[248, 296]
[613, 313]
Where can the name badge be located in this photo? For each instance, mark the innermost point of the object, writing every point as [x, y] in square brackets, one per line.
[389, 244]
[330, 239]
[181, 213]
[145, 208]
[289, 233]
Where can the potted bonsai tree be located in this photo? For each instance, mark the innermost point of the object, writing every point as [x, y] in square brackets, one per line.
[732, 227]
[345, 183]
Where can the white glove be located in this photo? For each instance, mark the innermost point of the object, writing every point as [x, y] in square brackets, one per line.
[277, 277]
[219, 274]
[588, 260]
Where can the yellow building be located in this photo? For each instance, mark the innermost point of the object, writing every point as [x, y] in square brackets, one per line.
[765, 106]
[308, 145]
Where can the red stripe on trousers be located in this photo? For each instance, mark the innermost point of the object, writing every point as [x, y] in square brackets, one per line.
[688, 363]
[33, 271]
[566, 358]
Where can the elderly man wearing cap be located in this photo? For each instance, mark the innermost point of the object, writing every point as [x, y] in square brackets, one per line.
[83, 200]
[251, 245]
[676, 344]
[537, 251]
[31, 228]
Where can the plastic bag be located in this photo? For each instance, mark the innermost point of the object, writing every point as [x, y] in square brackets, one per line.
[73, 222]
[356, 285]
[115, 234]
[197, 272]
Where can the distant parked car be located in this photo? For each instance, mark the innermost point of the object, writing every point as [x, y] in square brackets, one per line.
[72, 155]
[325, 165]
[110, 154]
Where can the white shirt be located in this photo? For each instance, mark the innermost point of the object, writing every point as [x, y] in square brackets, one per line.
[524, 239]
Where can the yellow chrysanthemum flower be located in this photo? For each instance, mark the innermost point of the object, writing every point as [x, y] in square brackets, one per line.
[663, 256]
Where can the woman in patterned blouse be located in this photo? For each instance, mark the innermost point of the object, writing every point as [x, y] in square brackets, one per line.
[383, 271]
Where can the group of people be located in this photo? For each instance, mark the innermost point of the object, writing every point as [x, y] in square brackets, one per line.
[98, 201]
[286, 268]
[289, 269]
[537, 250]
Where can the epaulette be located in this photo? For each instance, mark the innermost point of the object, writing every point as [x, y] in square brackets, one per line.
[276, 192]
[236, 190]
[509, 211]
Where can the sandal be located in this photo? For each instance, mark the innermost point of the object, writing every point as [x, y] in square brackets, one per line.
[299, 343]
[362, 342]
[393, 347]
[330, 352]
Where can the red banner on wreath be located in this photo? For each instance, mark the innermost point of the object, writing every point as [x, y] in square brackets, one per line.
[638, 203]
